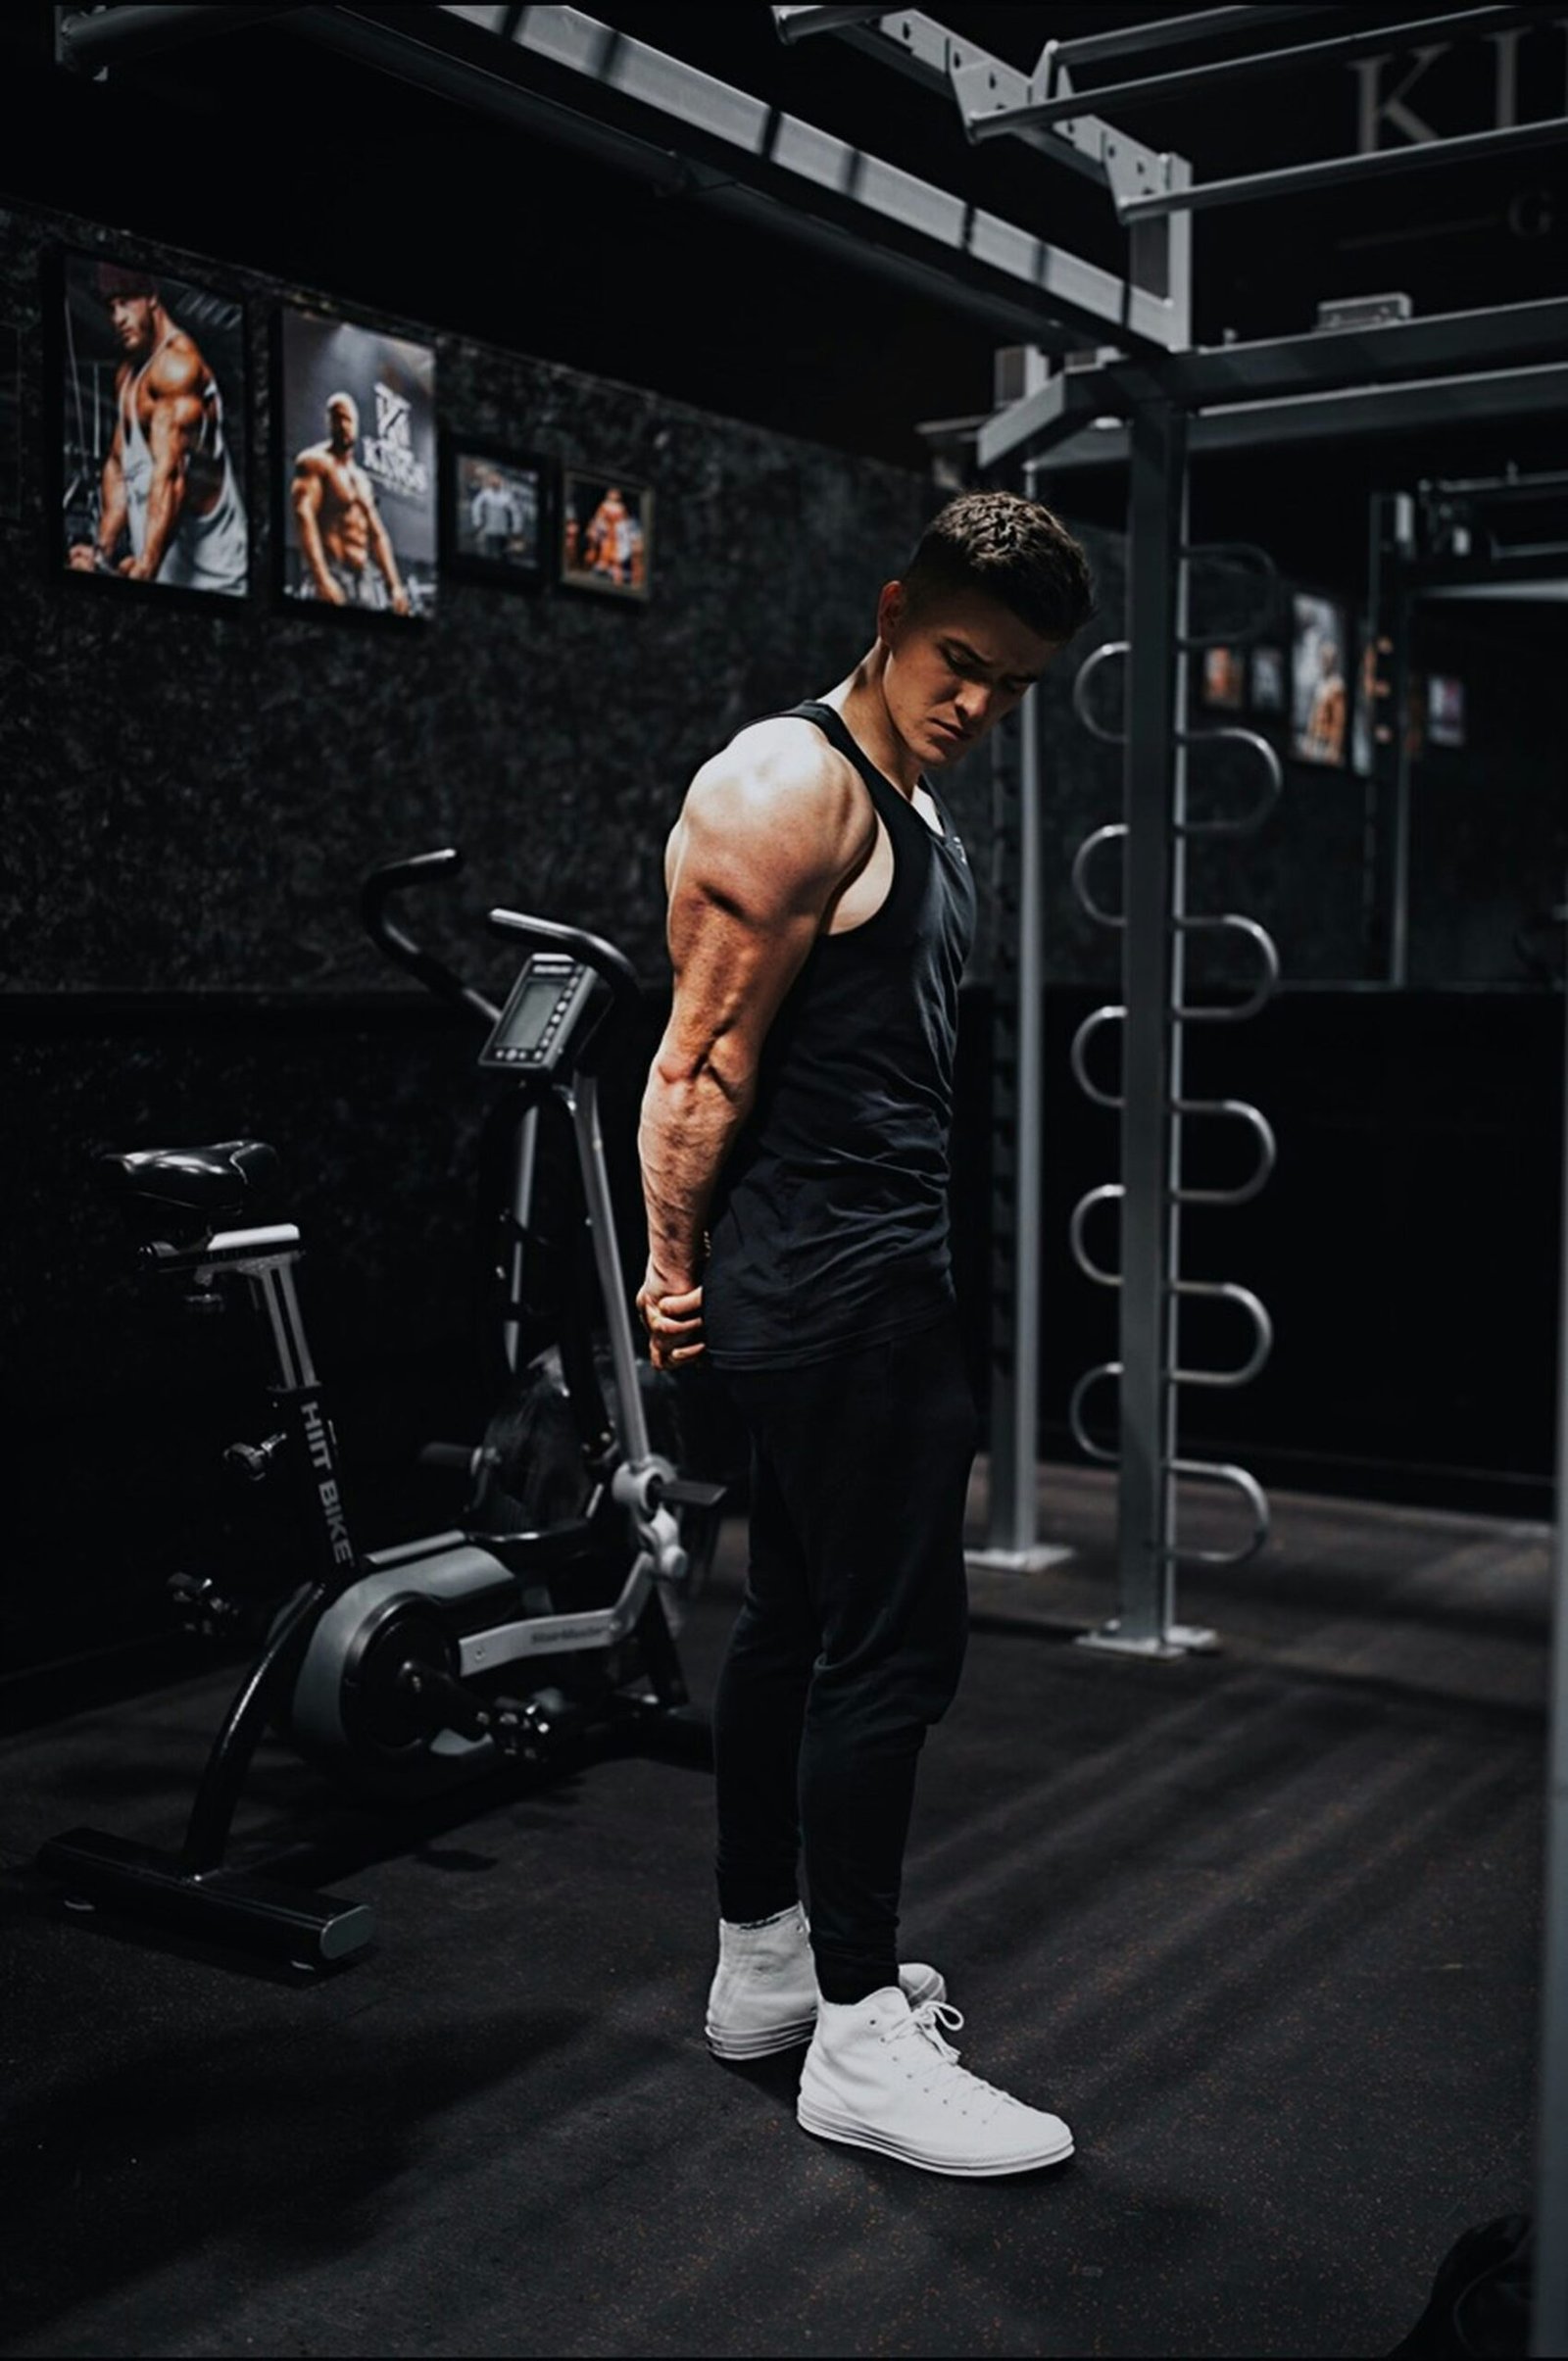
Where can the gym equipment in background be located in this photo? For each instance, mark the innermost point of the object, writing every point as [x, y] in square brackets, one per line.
[407, 1671]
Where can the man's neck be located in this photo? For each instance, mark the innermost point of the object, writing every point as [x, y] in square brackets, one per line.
[860, 700]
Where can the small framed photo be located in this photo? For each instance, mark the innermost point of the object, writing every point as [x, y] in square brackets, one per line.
[607, 533]
[151, 464]
[1224, 678]
[1362, 702]
[1268, 680]
[1319, 715]
[355, 481]
[496, 522]
[1444, 709]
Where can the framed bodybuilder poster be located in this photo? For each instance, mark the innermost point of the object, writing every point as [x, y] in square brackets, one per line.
[606, 533]
[152, 469]
[356, 466]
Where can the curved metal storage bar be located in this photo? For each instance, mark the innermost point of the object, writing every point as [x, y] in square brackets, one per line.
[1091, 665]
[1111, 1193]
[1256, 813]
[1080, 1048]
[1220, 1471]
[1220, 1012]
[1227, 1292]
[1075, 1413]
[1115, 833]
[1259, 563]
[1243, 1111]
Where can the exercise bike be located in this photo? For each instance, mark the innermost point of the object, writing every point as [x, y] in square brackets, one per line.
[406, 1671]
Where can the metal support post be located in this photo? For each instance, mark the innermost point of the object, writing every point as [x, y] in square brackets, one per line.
[1151, 970]
[1012, 1544]
[1550, 2327]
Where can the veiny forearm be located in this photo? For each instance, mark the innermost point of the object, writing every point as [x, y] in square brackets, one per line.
[112, 510]
[165, 500]
[689, 1125]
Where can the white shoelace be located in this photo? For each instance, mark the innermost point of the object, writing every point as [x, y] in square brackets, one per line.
[925, 2021]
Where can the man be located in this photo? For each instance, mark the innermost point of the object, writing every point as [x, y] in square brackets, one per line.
[167, 484]
[493, 516]
[339, 525]
[607, 540]
[795, 1148]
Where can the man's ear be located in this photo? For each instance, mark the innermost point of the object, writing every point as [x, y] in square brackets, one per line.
[892, 613]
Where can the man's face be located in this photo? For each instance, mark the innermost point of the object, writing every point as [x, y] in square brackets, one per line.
[130, 317]
[956, 667]
[343, 422]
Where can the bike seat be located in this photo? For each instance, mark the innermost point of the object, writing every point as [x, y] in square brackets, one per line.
[209, 1181]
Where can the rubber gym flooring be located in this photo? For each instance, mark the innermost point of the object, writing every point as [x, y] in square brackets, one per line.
[1262, 1924]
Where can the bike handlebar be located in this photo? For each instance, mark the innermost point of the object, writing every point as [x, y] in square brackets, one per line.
[394, 941]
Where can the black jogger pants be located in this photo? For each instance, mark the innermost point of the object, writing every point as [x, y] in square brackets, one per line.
[850, 1641]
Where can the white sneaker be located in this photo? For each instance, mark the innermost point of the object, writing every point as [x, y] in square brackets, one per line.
[764, 1997]
[879, 2074]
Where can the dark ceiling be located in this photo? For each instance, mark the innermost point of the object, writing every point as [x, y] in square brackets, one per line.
[260, 147]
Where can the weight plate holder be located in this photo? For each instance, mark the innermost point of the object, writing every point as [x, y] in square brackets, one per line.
[1177, 1637]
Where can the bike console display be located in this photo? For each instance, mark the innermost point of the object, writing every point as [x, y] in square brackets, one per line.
[535, 1030]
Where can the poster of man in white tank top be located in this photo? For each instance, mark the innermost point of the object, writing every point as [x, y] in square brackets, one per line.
[356, 449]
[153, 428]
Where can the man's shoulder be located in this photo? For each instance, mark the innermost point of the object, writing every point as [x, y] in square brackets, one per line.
[780, 781]
[784, 754]
[177, 368]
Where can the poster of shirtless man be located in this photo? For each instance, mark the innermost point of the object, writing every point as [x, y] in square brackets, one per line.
[357, 454]
[153, 429]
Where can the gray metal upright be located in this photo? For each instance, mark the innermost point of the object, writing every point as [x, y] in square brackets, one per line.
[1012, 1533]
[1151, 955]
[1550, 2327]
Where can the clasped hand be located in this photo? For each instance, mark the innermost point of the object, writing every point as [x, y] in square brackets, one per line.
[673, 1320]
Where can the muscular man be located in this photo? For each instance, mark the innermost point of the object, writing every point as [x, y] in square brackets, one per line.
[795, 1151]
[607, 540]
[338, 522]
[167, 484]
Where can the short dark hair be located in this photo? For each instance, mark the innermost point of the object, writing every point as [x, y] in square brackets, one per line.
[1012, 549]
[119, 278]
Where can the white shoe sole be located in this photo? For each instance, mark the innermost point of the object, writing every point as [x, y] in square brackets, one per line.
[774, 2037]
[857, 2136]
[760, 2045]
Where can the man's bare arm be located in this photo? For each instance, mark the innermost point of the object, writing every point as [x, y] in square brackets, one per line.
[92, 556]
[172, 435]
[770, 832]
[385, 555]
[306, 496]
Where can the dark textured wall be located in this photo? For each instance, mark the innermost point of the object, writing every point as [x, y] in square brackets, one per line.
[194, 794]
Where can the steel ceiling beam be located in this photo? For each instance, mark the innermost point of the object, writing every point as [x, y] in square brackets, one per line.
[1346, 171]
[1401, 409]
[1053, 100]
[741, 156]
[89, 40]
[1179, 32]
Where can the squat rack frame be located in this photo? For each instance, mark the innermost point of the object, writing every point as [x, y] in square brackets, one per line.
[561, 73]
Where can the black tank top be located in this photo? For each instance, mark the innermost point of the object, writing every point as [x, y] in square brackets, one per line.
[829, 1225]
